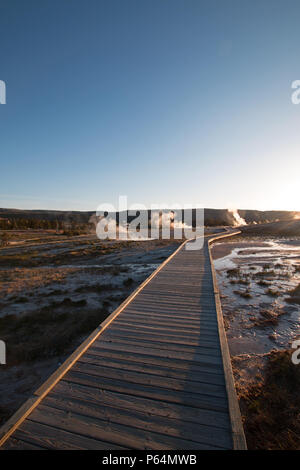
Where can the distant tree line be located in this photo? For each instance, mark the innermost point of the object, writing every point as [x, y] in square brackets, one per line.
[64, 227]
[4, 237]
[33, 224]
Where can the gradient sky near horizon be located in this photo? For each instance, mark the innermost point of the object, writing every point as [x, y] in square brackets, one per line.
[165, 101]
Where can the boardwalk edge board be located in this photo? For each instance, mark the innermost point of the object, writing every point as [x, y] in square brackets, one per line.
[238, 435]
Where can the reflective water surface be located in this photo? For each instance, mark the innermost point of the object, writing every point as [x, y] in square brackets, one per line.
[255, 280]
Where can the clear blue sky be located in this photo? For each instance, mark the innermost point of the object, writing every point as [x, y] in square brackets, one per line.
[170, 101]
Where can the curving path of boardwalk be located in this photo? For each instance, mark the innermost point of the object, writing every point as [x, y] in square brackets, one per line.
[155, 375]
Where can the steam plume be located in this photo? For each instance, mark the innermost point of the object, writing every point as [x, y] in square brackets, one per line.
[238, 220]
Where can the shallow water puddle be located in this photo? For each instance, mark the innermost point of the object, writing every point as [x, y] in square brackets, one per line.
[255, 279]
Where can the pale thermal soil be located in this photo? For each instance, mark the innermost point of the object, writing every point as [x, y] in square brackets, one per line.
[256, 278]
[53, 295]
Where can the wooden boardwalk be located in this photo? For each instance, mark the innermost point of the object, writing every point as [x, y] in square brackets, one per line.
[155, 375]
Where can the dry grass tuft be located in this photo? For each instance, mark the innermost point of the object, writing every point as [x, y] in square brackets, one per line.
[270, 408]
[294, 297]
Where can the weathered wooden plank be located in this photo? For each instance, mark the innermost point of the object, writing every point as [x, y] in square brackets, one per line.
[181, 315]
[213, 334]
[161, 320]
[134, 403]
[160, 339]
[17, 444]
[150, 379]
[177, 336]
[213, 361]
[205, 341]
[184, 398]
[142, 342]
[178, 428]
[153, 360]
[193, 312]
[160, 325]
[177, 293]
[51, 437]
[117, 434]
[165, 372]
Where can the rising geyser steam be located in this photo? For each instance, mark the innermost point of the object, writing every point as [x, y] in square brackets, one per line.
[238, 220]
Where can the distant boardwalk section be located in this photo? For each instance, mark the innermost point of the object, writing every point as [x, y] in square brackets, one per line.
[155, 375]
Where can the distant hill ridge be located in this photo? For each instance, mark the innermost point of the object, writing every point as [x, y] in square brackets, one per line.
[212, 217]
